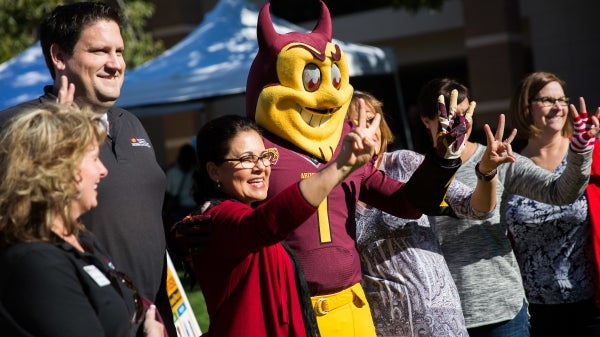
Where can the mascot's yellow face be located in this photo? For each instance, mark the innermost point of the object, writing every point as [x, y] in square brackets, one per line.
[298, 87]
[308, 106]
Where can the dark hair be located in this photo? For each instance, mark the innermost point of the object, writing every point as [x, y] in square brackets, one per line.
[186, 158]
[212, 144]
[63, 26]
[428, 97]
[520, 114]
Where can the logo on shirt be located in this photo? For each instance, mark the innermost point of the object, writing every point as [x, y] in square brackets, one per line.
[139, 142]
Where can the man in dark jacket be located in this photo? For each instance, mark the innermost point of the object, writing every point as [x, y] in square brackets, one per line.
[83, 48]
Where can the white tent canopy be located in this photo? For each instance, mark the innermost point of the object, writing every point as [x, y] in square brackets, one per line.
[216, 57]
[213, 60]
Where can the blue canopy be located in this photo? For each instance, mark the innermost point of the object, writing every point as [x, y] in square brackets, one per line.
[23, 77]
[213, 60]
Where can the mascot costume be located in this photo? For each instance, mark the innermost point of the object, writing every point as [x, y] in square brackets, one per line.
[298, 91]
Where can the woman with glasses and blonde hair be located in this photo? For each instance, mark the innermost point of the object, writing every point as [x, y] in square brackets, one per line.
[249, 278]
[56, 279]
[553, 244]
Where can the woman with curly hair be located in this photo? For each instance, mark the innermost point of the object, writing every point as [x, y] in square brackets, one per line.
[56, 279]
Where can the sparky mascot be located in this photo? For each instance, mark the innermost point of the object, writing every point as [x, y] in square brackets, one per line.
[298, 91]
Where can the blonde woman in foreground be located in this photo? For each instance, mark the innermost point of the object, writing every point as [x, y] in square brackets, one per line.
[56, 279]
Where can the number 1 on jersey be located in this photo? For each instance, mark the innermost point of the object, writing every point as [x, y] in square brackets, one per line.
[323, 219]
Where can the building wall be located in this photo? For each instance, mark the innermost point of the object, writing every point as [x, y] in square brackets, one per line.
[174, 19]
[565, 40]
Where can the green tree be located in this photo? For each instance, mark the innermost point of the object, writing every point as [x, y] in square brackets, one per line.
[19, 21]
[140, 45]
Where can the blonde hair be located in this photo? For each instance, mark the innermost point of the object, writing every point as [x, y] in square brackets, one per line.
[41, 150]
[387, 136]
[520, 113]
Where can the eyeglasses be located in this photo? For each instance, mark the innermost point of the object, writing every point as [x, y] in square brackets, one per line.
[369, 121]
[267, 158]
[549, 101]
[122, 278]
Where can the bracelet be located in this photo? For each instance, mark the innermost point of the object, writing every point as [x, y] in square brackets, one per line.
[485, 177]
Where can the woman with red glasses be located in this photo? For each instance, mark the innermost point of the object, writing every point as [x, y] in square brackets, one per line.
[251, 281]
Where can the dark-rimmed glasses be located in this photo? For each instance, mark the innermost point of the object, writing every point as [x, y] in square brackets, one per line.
[267, 158]
[550, 101]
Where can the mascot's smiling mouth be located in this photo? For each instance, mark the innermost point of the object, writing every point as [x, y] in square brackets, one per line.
[316, 117]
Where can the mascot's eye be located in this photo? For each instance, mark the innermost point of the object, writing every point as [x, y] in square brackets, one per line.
[336, 76]
[311, 77]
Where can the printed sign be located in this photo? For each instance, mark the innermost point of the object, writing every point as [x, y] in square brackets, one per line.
[183, 315]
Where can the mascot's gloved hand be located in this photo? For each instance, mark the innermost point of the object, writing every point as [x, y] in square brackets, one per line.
[451, 137]
[585, 128]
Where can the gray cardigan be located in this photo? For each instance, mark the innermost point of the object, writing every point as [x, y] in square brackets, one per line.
[479, 253]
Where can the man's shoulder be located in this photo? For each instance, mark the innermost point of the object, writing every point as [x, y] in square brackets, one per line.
[10, 112]
[121, 112]
[124, 115]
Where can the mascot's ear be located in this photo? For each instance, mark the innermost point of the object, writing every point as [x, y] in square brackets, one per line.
[323, 26]
[265, 32]
[268, 38]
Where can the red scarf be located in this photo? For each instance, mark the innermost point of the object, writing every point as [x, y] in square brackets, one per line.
[593, 195]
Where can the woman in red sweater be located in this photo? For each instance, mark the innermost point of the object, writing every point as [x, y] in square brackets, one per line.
[249, 279]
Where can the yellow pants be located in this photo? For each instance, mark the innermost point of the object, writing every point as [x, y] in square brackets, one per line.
[344, 314]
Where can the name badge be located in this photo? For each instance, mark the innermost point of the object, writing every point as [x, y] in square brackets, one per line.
[96, 275]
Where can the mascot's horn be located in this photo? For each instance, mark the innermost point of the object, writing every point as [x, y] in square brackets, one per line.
[267, 36]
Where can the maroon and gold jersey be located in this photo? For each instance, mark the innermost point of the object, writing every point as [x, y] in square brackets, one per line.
[325, 243]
